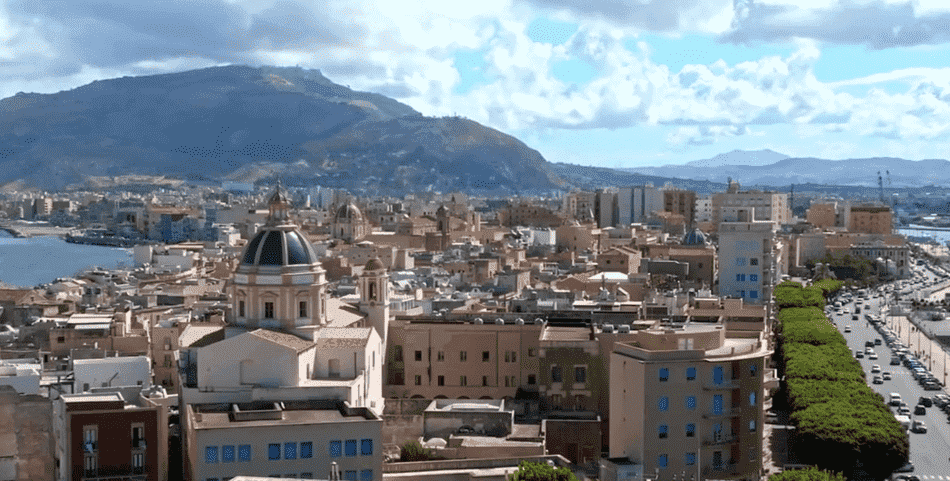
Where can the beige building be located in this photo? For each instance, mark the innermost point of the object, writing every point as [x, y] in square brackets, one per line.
[821, 215]
[871, 219]
[688, 400]
[290, 439]
[746, 206]
[682, 202]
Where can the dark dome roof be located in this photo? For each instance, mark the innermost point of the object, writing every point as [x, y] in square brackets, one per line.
[695, 238]
[277, 247]
[374, 264]
[349, 211]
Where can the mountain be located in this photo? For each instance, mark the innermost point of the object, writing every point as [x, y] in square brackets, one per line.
[801, 170]
[250, 124]
[741, 157]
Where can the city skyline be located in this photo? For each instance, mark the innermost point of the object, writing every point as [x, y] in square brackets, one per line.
[605, 84]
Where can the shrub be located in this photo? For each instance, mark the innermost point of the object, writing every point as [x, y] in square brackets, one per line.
[541, 472]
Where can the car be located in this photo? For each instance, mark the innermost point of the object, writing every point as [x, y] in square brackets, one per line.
[932, 386]
[869, 343]
[907, 477]
[908, 467]
[859, 354]
[920, 410]
[847, 328]
[903, 410]
[919, 427]
[877, 341]
[925, 401]
[872, 356]
[877, 380]
[876, 369]
[886, 375]
[895, 361]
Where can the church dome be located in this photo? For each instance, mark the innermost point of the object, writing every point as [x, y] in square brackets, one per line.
[695, 238]
[349, 212]
[278, 247]
[374, 264]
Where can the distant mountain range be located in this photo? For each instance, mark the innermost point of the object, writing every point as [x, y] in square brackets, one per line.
[768, 168]
[252, 124]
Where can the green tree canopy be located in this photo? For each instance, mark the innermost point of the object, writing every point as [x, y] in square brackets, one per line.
[541, 472]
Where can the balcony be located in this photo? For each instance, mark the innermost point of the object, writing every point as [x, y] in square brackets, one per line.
[716, 440]
[725, 413]
[770, 381]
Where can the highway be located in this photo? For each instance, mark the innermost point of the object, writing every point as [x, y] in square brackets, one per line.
[929, 452]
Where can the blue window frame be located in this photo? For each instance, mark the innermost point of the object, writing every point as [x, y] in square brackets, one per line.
[717, 375]
[753, 294]
[273, 451]
[366, 447]
[740, 261]
[753, 278]
[690, 402]
[751, 399]
[717, 404]
[306, 450]
[336, 449]
[740, 277]
[349, 475]
[211, 454]
[227, 454]
[662, 431]
[290, 450]
[664, 374]
[690, 459]
[664, 403]
[366, 475]
[350, 447]
[244, 452]
[662, 460]
[690, 373]
[690, 430]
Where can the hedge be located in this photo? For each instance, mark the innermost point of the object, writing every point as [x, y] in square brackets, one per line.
[810, 474]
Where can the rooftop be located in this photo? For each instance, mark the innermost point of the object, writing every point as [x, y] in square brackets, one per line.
[287, 340]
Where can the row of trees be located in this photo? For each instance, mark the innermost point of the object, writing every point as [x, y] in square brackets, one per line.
[841, 424]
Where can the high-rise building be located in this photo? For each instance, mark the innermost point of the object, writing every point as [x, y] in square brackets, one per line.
[753, 205]
[636, 204]
[750, 257]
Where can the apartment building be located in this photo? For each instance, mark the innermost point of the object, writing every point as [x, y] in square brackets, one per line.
[688, 400]
[636, 204]
[871, 219]
[753, 205]
[750, 257]
[283, 439]
[682, 202]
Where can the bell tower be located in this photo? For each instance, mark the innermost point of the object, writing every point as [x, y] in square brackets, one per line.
[374, 296]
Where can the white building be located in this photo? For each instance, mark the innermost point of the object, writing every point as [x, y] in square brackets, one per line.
[111, 372]
[750, 256]
[21, 374]
[636, 204]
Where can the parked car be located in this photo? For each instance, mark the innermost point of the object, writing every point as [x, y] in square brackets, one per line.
[920, 410]
[919, 427]
[886, 375]
[877, 380]
[847, 328]
[925, 401]
[875, 369]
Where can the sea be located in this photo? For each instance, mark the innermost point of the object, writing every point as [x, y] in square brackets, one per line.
[941, 236]
[32, 261]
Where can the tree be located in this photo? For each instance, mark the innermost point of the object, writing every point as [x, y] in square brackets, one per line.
[541, 472]
[414, 451]
[810, 474]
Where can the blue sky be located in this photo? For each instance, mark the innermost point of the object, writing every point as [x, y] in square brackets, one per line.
[607, 83]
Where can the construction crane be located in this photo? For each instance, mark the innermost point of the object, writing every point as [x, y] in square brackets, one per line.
[890, 188]
[880, 187]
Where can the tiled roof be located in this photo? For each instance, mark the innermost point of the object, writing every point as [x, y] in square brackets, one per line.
[343, 337]
[287, 340]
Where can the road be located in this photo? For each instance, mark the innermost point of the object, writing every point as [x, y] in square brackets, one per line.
[929, 452]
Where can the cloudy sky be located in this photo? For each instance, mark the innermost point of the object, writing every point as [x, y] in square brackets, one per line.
[616, 83]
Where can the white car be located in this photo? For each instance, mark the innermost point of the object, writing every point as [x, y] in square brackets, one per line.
[847, 328]
[875, 369]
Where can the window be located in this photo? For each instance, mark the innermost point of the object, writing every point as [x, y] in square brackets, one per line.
[244, 453]
[306, 450]
[753, 278]
[211, 454]
[463, 381]
[664, 374]
[336, 449]
[90, 437]
[511, 356]
[397, 353]
[662, 431]
[366, 447]
[717, 404]
[753, 370]
[290, 450]
[268, 310]
[664, 403]
[717, 375]
[485, 356]
[690, 459]
[418, 380]
[227, 454]
[440, 356]
[306, 475]
[753, 261]
[532, 352]
[740, 277]
[690, 430]
[350, 447]
[531, 379]
[463, 356]
[349, 475]
[91, 464]
[691, 402]
[273, 451]
[241, 308]
[580, 374]
[752, 426]
[168, 360]
[441, 380]
[753, 294]
[740, 261]
[303, 309]
[751, 399]
[484, 380]
[366, 475]
[138, 436]
[138, 462]
[661, 460]
[418, 355]
[555, 373]
[690, 373]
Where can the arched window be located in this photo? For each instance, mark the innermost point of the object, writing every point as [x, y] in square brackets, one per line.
[372, 291]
